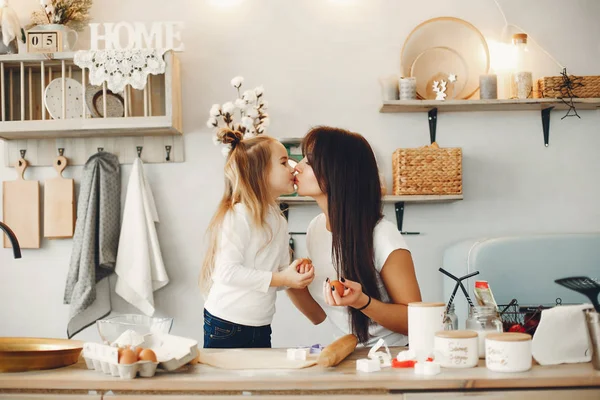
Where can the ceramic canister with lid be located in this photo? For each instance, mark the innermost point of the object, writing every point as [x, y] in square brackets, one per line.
[424, 320]
[457, 349]
[508, 352]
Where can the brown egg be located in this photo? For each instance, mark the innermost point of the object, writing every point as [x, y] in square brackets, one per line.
[339, 287]
[147, 355]
[120, 351]
[128, 357]
[305, 261]
[137, 351]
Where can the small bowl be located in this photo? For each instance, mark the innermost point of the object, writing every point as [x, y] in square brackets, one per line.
[112, 327]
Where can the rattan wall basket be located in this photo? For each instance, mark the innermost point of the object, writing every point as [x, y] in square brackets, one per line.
[428, 170]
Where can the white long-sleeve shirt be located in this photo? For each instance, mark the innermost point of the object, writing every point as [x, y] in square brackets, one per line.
[245, 260]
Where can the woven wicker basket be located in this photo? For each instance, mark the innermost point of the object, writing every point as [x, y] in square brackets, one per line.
[548, 87]
[427, 170]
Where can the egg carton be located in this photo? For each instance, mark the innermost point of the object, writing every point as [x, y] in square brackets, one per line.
[171, 351]
[105, 359]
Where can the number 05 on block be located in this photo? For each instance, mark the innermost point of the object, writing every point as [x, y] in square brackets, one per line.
[44, 41]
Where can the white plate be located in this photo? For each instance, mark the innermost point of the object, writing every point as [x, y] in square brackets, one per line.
[54, 101]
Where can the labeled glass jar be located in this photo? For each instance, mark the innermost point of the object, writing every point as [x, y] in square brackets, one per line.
[483, 320]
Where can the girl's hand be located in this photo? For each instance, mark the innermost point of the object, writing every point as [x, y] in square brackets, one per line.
[304, 266]
[353, 295]
[296, 276]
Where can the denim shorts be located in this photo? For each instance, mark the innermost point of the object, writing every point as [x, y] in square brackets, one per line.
[222, 334]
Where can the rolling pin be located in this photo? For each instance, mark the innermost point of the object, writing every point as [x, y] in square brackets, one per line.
[337, 351]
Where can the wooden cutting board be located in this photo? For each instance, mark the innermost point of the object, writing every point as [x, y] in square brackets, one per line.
[21, 208]
[59, 204]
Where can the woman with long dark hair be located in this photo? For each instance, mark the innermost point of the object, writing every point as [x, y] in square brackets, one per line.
[352, 242]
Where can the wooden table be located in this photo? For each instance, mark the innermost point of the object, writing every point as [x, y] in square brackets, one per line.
[575, 381]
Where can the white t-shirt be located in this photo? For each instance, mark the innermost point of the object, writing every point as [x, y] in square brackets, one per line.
[244, 264]
[386, 239]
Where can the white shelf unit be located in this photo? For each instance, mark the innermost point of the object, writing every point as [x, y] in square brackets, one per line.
[25, 123]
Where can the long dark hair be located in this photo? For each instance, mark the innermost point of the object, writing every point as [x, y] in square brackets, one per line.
[345, 167]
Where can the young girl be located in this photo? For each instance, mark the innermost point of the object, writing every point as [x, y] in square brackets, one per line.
[248, 253]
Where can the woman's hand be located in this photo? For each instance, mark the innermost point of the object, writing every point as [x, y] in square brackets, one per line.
[353, 295]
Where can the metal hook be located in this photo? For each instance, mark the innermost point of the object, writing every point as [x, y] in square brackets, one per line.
[61, 151]
[168, 149]
[139, 150]
[23, 151]
[100, 149]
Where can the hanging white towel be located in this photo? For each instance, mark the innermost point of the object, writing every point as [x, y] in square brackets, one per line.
[140, 266]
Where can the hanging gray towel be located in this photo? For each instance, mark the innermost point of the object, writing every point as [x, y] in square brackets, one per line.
[95, 242]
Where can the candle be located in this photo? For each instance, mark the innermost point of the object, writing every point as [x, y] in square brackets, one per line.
[408, 88]
[389, 87]
[488, 86]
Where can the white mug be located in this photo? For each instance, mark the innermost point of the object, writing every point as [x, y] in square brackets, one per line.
[456, 349]
[508, 352]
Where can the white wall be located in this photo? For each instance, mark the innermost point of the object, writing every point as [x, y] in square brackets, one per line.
[319, 61]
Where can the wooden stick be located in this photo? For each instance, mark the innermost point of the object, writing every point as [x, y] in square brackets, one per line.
[2, 87]
[146, 100]
[49, 80]
[126, 100]
[64, 90]
[129, 101]
[84, 112]
[150, 95]
[11, 94]
[104, 99]
[30, 94]
[22, 81]
[42, 89]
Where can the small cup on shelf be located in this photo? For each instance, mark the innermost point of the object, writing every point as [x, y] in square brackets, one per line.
[408, 88]
[389, 87]
[488, 87]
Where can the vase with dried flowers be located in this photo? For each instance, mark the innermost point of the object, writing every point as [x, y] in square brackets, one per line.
[67, 16]
[251, 108]
[10, 29]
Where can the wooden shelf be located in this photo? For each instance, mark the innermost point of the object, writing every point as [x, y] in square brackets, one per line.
[398, 202]
[16, 59]
[386, 199]
[402, 106]
[88, 127]
[155, 111]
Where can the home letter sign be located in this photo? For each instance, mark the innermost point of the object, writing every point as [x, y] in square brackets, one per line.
[126, 35]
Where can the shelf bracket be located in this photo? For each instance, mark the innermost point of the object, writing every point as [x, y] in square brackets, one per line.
[399, 206]
[399, 214]
[432, 118]
[546, 124]
[285, 209]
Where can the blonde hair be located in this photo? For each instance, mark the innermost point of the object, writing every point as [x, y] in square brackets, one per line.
[246, 181]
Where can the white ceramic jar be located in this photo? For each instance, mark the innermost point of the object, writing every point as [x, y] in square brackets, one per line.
[456, 349]
[424, 320]
[508, 352]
